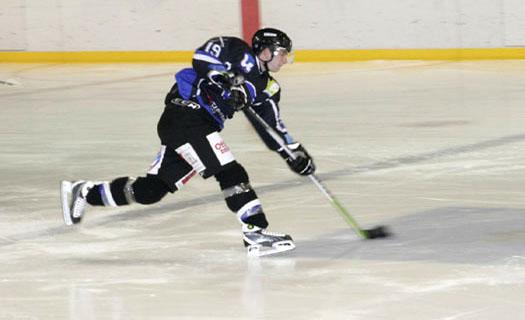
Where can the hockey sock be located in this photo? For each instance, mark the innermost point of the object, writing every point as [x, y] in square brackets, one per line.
[126, 190]
[252, 214]
[239, 195]
[115, 193]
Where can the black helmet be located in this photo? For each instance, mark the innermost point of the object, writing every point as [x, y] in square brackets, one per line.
[270, 38]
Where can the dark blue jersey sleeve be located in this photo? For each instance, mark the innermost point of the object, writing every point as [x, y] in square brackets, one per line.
[269, 111]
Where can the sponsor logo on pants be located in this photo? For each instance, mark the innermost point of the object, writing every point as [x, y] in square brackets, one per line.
[220, 148]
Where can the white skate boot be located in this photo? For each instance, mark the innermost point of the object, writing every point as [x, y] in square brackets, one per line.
[261, 242]
[74, 201]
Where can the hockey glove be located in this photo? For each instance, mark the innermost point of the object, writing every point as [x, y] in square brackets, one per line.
[233, 88]
[225, 79]
[238, 97]
[303, 163]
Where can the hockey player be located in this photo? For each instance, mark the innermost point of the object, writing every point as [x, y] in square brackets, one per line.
[226, 76]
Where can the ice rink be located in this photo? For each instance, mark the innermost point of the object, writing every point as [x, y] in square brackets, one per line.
[433, 149]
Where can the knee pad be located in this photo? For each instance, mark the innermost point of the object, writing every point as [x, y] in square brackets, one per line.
[232, 175]
[149, 189]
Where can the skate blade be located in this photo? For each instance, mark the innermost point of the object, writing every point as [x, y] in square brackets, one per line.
[65, 194]
[278, 247]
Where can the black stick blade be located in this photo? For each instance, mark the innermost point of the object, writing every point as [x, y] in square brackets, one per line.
[377, 233]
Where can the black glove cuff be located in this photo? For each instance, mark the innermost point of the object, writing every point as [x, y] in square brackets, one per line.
[302, 163]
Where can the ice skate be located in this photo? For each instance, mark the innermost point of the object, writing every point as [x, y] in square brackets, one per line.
[74, 200]
[261, 242]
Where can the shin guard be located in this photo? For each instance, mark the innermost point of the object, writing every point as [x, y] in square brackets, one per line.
[118, 192]
[239, 195]
[127, 190]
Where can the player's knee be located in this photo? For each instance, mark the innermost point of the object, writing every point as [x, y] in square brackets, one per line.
[232, 175]
[148, 190]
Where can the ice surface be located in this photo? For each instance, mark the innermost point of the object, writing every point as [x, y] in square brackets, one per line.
[434, 150]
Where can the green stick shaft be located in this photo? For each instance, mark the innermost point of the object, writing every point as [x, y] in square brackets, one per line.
[342, 211]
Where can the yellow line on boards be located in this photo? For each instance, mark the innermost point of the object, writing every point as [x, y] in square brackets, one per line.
[409, 54]
[97, 56]
[300, 55]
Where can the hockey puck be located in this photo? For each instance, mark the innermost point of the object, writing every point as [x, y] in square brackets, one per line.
[377, 233]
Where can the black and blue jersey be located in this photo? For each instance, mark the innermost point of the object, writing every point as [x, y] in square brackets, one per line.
[231, 54]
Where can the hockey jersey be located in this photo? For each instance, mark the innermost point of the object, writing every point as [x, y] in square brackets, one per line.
[231, 54]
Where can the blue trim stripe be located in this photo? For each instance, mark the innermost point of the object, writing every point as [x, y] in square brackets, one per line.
[210, 111]
[252, 91]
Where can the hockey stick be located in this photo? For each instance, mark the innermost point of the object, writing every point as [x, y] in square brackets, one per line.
[374, 233]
